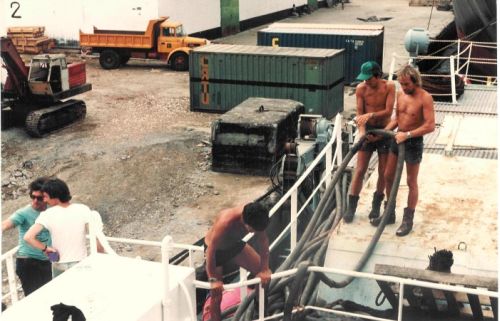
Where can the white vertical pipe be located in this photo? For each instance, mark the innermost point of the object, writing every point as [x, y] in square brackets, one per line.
[329, 164]
[293, 221]
[243, 278]
[400, 303]
[165, 255]
[458, 58]
[9, 262]
[452, 75]
[468, 61]
[393, 65]
[261, 301]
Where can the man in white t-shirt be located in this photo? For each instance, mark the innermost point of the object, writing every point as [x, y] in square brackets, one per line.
[67, 224]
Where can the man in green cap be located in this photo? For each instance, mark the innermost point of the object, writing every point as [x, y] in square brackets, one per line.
[374, 103]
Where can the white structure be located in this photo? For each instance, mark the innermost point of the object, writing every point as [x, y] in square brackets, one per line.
[64, 18]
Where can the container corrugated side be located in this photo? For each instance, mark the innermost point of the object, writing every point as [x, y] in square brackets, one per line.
[360, 45]
[221, 97]
[272, 66]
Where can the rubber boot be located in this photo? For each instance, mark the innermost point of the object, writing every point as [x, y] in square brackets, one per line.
[351, 208]
[407, 223]
[376, 202]
[391, 220]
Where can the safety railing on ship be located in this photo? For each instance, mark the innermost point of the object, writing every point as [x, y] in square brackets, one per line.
[375, 277]
[459, 64]
[330, 158]
[14, 286]
[8, 260]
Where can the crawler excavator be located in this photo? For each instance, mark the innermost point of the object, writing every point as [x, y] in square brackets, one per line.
[33, 94]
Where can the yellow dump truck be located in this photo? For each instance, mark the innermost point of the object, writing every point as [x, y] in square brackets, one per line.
[163, 40]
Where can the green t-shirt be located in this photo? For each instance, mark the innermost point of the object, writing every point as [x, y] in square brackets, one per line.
[23, 219]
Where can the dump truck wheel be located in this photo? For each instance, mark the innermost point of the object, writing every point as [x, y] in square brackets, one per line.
[109, 59]
[180, 62]
[124, 59]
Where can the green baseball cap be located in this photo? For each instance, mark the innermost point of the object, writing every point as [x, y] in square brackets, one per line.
[368, 70]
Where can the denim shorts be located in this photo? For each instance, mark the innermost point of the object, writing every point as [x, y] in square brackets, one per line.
[414, 148]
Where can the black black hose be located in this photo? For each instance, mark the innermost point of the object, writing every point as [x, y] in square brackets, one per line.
[292, 300]
[390, 207]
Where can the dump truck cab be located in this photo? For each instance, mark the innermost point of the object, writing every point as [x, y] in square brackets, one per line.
[173, 42]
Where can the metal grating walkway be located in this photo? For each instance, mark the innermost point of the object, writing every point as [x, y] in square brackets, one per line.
[476, 101]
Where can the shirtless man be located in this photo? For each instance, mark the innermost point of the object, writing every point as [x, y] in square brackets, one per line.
[374, 102]
[414, 119]
[223, 243]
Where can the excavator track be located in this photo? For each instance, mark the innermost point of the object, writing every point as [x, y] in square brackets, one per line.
[42, 122]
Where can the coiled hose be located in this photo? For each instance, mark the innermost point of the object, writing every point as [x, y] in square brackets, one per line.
[314, 241]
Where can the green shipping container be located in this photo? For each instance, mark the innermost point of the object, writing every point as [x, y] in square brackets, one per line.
[320, 67]
[222, 76]
[361, 42]
[221, 97]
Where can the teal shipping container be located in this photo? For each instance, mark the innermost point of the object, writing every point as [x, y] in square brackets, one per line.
[222, 76]
[361, 42]
[221, 97]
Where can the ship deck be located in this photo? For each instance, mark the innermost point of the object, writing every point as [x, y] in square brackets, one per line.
[457, 208]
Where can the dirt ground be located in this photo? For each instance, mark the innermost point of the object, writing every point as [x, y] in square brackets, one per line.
[142, 159]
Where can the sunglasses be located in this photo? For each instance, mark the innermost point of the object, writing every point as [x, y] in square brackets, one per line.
[38, 198]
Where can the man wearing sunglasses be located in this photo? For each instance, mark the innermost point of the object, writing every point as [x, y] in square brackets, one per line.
[32, 266]
[67, 223]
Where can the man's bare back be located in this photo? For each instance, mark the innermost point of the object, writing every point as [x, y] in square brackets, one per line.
[229, 227]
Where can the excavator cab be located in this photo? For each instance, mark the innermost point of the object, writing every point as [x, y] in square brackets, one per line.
[48, 74]
[34, 94]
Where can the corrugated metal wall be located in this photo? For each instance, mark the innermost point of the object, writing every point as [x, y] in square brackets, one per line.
[222, 76]
[361, 45]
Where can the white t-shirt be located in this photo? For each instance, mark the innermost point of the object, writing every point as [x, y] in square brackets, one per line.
[67, 227]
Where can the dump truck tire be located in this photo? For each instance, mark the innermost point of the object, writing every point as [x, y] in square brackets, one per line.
[124, 59]
[109, 59]
[180, 61]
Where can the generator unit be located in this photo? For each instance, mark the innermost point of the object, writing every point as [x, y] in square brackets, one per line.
[251, 137]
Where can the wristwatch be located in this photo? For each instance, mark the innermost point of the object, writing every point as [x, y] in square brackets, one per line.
[212, 280]
[408, 134]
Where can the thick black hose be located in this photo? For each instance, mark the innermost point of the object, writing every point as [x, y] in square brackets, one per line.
[295, 289]
[311, 226]
[390, 206]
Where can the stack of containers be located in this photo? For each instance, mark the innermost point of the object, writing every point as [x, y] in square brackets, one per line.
[222, 76]
[361, 42]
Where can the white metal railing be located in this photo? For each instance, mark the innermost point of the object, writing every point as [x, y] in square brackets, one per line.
[8, 260]
[459, 65]
[376, 277]
[94, 233]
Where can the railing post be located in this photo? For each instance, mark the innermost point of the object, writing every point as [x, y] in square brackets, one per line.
[393, 65]
[328, 165]
[452, 75]
[261, 301]
[9, 261]
[400, 301]
[458, 54]
[293, 220]
[243, 278]
[468, 61]
[165, 255]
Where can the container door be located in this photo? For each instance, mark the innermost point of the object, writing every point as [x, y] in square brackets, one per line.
[230, 17]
